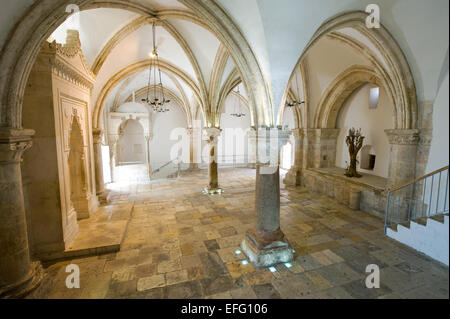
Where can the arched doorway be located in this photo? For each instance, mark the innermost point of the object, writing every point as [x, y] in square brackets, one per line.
[131, 143]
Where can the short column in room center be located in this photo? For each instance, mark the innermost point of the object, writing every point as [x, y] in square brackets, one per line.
[266, 245]
[212, 137]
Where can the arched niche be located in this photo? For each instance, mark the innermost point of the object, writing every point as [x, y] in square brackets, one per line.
[356, 112]
[77, 171]
[132, 143]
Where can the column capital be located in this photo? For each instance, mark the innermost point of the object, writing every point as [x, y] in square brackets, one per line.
[403, 137]
[97, 135]
[212, 134]
[13, 143]
[268, 143]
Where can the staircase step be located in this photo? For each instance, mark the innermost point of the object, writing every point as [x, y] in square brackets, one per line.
[439, 218]
[421, 221]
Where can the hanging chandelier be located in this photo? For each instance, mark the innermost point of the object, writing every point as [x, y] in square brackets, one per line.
[237, 106]
[158, 103]
[295, 102]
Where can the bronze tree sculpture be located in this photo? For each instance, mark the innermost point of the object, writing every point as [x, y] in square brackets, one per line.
[354, 142]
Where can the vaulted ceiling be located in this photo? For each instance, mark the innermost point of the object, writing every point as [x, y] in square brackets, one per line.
[198, 67]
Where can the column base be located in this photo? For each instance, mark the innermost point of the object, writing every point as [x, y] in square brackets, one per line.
[212, 191]
[293, 178]
[26, 286]
[104, 196]
[271, 254]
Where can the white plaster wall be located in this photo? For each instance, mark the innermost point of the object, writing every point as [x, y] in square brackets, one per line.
[288, 118]
[356, 113]
[439, 151]
[432, 239]
[233, 143]
[326, 60]
[163, 125]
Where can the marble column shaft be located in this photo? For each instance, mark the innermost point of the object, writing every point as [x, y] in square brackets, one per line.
[212, 135]
[266, 245]
[15, 265]
[98, 162]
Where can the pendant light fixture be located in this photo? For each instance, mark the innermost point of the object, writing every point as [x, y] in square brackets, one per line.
[295, 103]
[159, 102]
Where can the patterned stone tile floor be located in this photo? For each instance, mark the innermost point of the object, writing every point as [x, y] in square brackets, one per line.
[181, 244]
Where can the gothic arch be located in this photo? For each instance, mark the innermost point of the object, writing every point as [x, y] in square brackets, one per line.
[44, 17]
[396, 73]
[338, 92]
[126, 72]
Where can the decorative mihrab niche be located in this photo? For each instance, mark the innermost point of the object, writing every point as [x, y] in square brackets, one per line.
[355, 142]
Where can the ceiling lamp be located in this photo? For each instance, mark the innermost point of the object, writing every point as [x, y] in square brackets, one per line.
[295, 102]
[237, 106]
[158, 102]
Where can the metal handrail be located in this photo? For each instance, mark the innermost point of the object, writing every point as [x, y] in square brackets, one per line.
[419, 179]
[165, 165]
[418, 198]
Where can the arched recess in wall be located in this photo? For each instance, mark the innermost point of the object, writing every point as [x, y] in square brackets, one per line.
[383, 51]
[338, 92]
[77, 171]
[166, 67]
[373, 119]
[132, 143]
[44, 17]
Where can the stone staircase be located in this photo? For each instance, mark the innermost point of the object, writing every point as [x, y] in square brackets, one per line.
[427, 235]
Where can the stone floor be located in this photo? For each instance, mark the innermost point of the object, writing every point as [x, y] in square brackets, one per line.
[182, 244]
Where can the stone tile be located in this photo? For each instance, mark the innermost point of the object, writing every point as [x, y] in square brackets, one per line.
[359, 290]
[238, 269]
[258, 277]
[243, 293]
[145, 270]
[211, 245]
[186, 290]
[147, 283]
[121, 289]
[212, 286]
[339, 274]
[176, 277]
[266, 291]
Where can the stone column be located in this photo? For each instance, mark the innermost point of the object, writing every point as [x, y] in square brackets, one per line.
[402, 163]
[102, 193]
[193, 147]
[113, 158]
[148, 139]
[293, 177]
[212, 134]
[266, 245]
[18, 275]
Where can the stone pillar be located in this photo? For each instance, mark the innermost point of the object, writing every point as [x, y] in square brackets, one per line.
[212, 134]
[266, 245]
[102, 193]
[293, 177]
[113, 157]
[18, 276]
[402, 165]
[148, 139]
[251, 149]
[194, 147]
